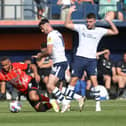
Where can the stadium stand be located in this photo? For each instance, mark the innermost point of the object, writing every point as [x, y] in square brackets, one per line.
[20, 35]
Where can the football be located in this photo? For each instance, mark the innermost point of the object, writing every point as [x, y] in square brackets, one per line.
[15, 106]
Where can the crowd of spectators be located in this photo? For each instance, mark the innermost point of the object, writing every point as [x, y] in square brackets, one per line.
[111, 75]
[113, 9]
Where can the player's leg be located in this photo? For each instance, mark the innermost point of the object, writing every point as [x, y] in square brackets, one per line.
[110, 15]
[78, 87]
[36, 100]
[77, 72]
[107, 79]
[121, 84]
[51, 86]
[96, 92]
[92, 72]
[120, 16]
[57, 73]
[83, 87]
[56, 92]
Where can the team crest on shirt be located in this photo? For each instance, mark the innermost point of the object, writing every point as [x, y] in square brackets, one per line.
[49, 39]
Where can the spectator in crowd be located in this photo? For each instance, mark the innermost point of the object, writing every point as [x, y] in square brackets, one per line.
[80, 87]
[65, 7]
[30, 69]
[86, 6]
[42, 8]
[44, 65]
[121, 71]
[108, 8]
[92, 1]
[106, 68]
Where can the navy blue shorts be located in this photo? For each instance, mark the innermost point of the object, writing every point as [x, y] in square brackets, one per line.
[59, 69]
[81, 63]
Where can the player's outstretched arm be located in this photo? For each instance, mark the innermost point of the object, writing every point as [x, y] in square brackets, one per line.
[113, 30]
[68, 22]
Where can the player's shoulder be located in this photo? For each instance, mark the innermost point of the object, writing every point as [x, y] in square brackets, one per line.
[16, 64]
[80, 26]
[100, 28]
[54, 32]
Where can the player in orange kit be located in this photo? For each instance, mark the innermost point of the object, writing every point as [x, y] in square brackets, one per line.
[15, 74]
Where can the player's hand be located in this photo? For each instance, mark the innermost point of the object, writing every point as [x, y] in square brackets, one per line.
[72, 9]
[37, 78]
[107, 19]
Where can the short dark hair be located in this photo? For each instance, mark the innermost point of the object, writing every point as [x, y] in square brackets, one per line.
[43, 45]
[4, 58]
[91, 15]
[43, 21]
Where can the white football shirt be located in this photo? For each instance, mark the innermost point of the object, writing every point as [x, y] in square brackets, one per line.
[58, 53]
[66, 2]
[88, 40]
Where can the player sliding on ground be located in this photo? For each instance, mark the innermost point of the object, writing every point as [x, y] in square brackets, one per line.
[14, 73]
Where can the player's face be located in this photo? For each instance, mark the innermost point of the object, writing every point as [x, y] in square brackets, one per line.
[6, 65]
[106, 55]
[44, 28]
[90, 23]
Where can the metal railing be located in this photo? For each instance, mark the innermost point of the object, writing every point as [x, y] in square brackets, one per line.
[29, 11]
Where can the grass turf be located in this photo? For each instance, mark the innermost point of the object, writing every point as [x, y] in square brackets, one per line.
[113, 114]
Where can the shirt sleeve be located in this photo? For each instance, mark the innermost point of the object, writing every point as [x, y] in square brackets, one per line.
[79, 27]
[49, 40]
[21, 65]
[103, 31]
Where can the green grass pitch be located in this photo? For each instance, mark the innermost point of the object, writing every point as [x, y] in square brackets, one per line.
[113, 114]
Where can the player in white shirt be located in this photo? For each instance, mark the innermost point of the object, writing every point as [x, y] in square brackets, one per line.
[85, 59]
[56, 49]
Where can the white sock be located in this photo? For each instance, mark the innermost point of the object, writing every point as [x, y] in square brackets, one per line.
[60, 97]
[77, 96]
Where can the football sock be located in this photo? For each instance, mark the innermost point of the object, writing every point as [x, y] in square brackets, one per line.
[71, 94]
[57, 93]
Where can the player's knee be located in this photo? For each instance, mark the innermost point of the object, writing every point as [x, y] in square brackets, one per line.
[74, 81]
[50, 87]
